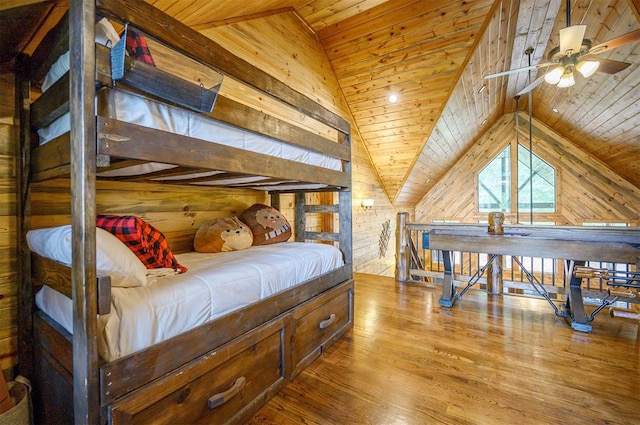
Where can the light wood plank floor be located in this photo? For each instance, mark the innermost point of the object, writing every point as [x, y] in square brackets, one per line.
[487, 360]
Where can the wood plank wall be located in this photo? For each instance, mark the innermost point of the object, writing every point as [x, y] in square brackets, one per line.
[587, 190]
[284, 47]
[8, 251]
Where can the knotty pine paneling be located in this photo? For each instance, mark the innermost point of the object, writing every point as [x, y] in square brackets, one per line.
[417, 50]
[600, 114]
[285, 48]
[177, 211]
[368, 224]
[587, 190]
[8, 249]
[463, 117]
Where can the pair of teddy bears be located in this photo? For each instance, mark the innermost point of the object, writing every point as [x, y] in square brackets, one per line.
[259, 225]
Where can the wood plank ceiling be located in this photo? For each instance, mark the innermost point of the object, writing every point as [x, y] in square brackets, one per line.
[434, 53]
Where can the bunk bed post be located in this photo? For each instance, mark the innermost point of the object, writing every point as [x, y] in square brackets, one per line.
[275, 200]
[345, 239]
[300, 216]
[86, 403]
[345, 210]
[23, 219]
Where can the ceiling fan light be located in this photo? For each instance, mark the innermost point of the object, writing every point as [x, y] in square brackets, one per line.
[567, 80]
[571, 39]
[553, 76]
[587, 68]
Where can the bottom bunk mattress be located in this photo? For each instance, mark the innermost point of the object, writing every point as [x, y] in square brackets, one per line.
[214, 285]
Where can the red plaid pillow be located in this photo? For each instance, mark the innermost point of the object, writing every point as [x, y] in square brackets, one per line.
[147, 242]
[138, 48]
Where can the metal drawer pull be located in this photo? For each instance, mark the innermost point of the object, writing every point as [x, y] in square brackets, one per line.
[221, 398]
[326, 323]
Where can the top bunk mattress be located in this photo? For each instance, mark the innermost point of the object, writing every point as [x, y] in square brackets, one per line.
[136, 109]
[216, 284]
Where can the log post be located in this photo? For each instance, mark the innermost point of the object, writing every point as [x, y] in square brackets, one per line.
[402, 248]
[494, 276]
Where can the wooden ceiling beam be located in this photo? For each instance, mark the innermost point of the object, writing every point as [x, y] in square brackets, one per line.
[635, 7]
[11, 4]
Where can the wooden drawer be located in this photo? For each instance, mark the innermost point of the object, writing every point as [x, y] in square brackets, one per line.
[225, 386]
[320, 322]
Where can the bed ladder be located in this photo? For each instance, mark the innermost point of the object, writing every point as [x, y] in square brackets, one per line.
[328, 209]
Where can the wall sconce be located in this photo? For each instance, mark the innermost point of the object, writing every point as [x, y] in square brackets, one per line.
[366, 204]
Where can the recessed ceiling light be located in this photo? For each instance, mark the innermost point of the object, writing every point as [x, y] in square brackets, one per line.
[481, 89]
[393, 98]
[555, 110]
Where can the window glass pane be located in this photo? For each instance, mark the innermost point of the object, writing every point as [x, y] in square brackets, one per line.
[543, 194]
[494, 193]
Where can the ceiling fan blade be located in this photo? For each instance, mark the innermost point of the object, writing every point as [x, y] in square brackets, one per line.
[571, 38]
[614, 43]
[513, 71]
[531, 86]
[609, 66]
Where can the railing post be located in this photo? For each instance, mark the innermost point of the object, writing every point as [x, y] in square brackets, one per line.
[402, 248]
[494, 276]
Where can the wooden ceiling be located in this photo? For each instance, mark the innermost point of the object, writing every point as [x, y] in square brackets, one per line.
[433, 54]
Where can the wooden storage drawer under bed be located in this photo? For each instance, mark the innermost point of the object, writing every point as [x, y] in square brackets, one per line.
[224, 386]
[319, 323]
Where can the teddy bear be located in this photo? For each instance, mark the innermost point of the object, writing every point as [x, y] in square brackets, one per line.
[222, 235]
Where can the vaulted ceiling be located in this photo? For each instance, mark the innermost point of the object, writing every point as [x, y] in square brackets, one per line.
[433, 54]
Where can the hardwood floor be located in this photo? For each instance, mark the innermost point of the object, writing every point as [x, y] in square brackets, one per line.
[487, 360]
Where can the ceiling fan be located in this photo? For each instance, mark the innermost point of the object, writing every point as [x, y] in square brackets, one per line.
[575, 53]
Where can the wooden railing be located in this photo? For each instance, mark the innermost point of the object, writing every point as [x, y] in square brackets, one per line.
[417, 260]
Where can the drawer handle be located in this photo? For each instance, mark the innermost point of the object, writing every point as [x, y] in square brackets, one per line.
[221, 398]
[326, 323]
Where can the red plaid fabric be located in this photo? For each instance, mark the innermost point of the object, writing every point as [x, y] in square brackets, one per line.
[144, 240]
[137, 47]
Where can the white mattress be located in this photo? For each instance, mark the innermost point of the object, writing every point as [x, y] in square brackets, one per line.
[215, 284]
[132, 108]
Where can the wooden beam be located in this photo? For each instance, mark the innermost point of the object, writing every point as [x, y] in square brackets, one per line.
[635, 7]
[10, 4]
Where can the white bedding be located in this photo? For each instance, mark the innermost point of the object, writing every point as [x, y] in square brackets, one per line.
[130, 107]
[215, 284]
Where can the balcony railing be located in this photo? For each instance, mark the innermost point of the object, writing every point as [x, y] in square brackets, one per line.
[603, 282]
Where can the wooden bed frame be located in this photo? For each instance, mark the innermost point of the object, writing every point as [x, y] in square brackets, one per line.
[220, 372]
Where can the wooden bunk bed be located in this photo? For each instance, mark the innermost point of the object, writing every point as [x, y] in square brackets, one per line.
[221, 371]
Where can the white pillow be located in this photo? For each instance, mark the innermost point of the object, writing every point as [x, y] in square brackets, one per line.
[105, 35]
[113, 258]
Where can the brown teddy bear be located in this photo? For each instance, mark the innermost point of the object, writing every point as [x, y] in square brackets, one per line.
[222, 235]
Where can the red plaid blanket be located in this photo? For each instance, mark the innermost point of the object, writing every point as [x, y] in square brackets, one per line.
[147, 242]
[137, 47]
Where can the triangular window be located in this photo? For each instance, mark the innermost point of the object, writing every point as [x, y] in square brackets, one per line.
[542, 195]
[494, 184]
